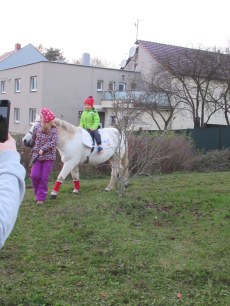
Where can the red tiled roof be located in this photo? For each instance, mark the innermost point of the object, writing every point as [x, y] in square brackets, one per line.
[3, 56]
[185, 61]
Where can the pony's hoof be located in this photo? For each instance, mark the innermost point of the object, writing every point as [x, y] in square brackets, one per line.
[76, 191]
[107, 189]
[53, 196]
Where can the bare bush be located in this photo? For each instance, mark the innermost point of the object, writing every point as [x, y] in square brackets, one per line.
[211, 161]
[168, 152]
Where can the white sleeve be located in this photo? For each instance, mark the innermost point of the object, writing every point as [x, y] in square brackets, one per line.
[12, 190]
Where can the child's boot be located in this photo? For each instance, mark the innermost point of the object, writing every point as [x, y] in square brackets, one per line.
[99, 150]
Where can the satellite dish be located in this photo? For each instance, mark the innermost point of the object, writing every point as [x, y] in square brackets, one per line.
[123, 63]
[132, 51]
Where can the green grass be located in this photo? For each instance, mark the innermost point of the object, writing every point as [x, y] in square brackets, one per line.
[95, 248]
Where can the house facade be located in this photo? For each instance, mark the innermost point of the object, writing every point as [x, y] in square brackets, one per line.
[149, 54]
[61, 87]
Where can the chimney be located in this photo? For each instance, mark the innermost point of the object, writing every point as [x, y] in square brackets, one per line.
[17, 46]
[85, 59]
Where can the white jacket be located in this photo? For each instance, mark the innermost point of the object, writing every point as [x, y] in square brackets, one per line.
[12, 190]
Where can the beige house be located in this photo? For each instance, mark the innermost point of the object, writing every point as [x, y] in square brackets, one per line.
[149, 54]
[61, 87]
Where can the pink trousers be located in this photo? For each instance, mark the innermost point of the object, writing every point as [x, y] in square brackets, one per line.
[40, 173]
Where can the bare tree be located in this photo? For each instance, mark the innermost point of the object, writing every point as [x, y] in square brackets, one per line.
[147, 150]
[156, 97]
[223, 96]
[190, 85]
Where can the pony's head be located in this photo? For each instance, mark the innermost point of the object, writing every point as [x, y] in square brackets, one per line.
[26, 139]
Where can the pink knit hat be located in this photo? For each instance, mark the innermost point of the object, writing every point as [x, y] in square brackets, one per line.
[47, 115]
[89, 101]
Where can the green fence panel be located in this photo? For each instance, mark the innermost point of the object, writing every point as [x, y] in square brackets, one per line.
[206, 139]
[225, 138]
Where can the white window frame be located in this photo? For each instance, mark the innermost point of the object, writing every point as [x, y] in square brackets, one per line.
[3, 87]
[112, 84]
[17, 85]
[112, 120]
[121, 83]
[101, 87]
[16, 115]
[32, 113]
[33, 83]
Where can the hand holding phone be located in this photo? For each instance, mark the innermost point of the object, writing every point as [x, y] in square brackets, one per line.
[4, 119]
[8, 145]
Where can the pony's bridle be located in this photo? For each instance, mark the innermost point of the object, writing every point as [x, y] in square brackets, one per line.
[33, 127]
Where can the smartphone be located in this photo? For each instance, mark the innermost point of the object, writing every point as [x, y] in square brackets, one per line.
[4, 119]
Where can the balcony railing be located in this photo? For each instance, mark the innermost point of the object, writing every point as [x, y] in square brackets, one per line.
[121, 95]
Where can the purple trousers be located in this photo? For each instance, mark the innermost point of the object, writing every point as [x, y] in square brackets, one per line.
[40, 173]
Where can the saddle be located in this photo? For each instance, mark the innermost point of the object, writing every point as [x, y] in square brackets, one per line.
[89, 141]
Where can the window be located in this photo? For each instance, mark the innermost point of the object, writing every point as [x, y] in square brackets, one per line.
[111, 86]
[99, 85]
[32, 115]
[3, 86]
[112, 120]
[121, 87]
[16, 115]
[17, 85]
[33, 83]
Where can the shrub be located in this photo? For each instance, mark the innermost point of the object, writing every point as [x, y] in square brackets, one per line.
[211, 161]
[168, 152]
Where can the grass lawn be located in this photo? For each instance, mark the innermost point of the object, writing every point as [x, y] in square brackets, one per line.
[166, 245]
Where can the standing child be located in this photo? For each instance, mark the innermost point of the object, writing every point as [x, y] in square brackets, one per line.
[90, 121]
[44, 141]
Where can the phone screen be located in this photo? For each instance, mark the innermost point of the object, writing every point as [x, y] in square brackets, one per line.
[4, 121]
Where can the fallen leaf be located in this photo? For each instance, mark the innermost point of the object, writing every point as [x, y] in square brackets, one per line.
[101, 270]
[179, 296]
[122, 265]
[112, 267]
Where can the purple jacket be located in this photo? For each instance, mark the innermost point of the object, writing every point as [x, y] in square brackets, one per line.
[45, 142]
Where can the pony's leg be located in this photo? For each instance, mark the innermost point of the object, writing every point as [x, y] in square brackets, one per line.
[75, 176]
[116, 168]
[66, 169]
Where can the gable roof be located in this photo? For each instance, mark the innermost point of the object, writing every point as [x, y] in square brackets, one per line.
[186, 61]
[24, 56]
[3, 56]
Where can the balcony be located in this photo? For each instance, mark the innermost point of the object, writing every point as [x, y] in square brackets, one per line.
[121, 95]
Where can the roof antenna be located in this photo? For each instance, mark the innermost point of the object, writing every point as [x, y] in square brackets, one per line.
[137, 25]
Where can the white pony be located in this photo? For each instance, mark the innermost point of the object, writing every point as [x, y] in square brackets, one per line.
[73, 152]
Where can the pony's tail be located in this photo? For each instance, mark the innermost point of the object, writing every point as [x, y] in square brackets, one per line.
[126, 160]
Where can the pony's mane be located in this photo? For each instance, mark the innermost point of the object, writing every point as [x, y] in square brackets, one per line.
[65, 125]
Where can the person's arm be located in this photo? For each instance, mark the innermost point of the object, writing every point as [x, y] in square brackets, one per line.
[82, 120]
[96, 120]
[12, 187]
[52, 143]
